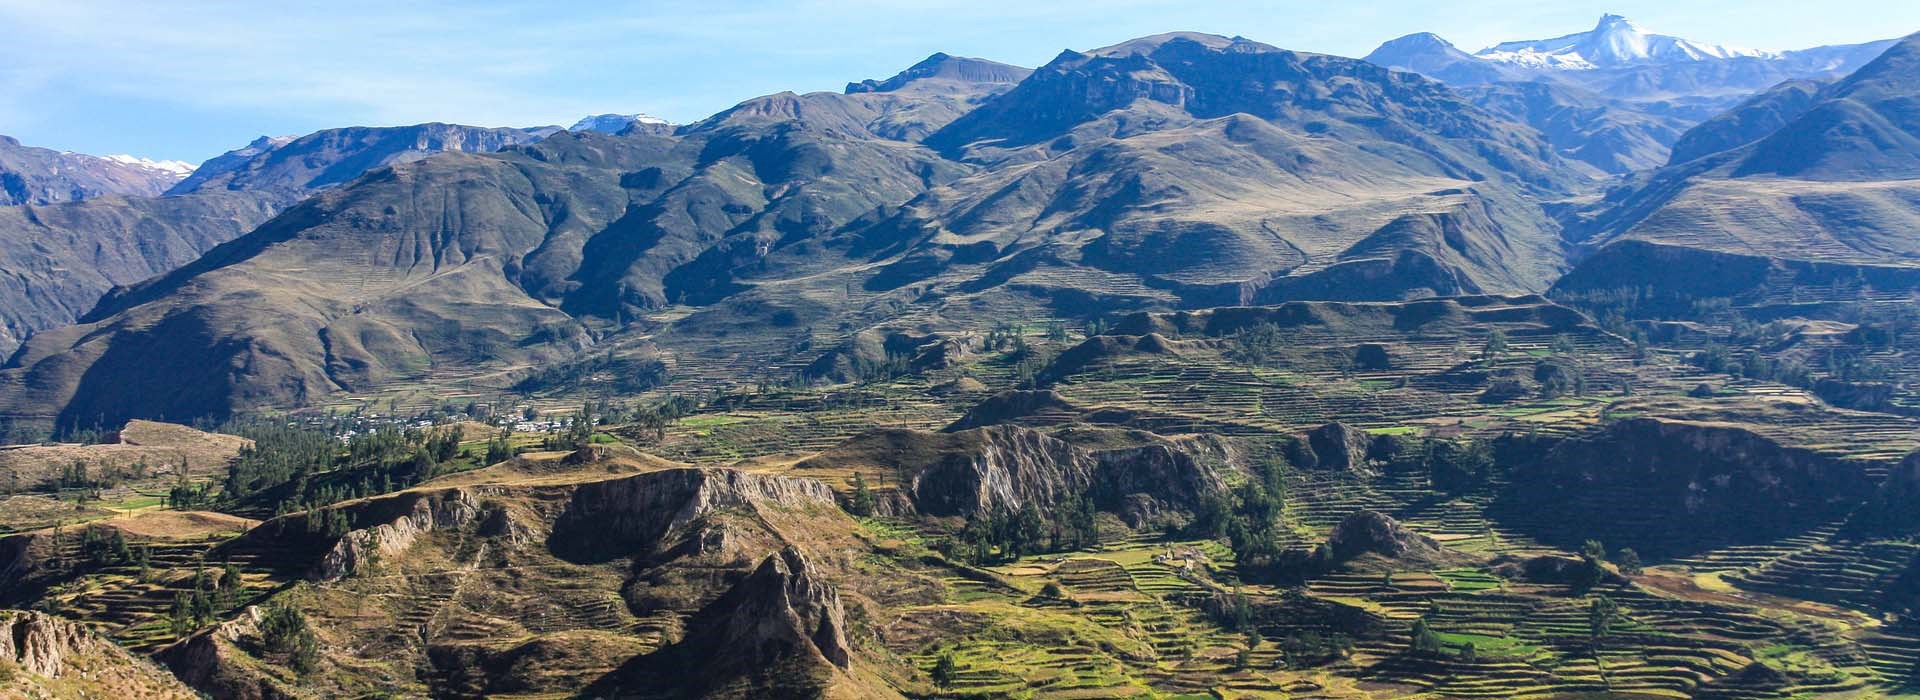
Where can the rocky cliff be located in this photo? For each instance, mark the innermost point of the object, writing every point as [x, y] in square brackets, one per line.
[54, 658]
[213, 662]
[1004, 468]
[1670, 486]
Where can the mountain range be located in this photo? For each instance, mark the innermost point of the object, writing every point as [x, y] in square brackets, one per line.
[31, 175]
[1627, 93]
[1174, 171]
[62, 253]
[1187, 366]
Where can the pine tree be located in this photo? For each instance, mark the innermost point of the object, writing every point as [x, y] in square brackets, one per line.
[180, 620]
[861, 504]
[284, 631]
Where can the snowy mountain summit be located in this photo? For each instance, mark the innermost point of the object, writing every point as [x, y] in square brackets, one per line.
[1616, 42]
[179, 169]
[616, 123]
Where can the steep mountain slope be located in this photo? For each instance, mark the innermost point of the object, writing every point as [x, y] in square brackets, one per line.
[1154, 166]
[465, 260]
[31, 175]
[59, 259]
[1223, 170]
[1613, 136]
[1829, 194]
[1748, 121]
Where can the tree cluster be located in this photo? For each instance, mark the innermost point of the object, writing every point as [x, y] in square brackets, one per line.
[1000, 537]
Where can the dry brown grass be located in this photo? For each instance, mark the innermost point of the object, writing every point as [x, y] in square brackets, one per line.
[161, 446]
[553, 468]
[180, 524]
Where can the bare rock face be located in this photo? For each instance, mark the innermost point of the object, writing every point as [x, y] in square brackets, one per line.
[652, 513]
[211, 663]
[786, 607]
[455, 508]
[1000, 469]
[1340, 447]
[1005, 468]
[58, 658]
[780, 632]
[40, 643]
[1370, 532]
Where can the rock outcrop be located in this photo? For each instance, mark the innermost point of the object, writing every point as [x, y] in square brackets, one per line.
[651, 514]
[1668, 486]
[780, 632]
[211, 662]
[428, 511]
[1373, 534]
[52, 657]
[720, 560]
[785, 607]
[1004, 468]
[872, 353]
[1340, 447]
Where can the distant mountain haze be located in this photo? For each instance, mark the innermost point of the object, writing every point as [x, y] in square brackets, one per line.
[1621, 95]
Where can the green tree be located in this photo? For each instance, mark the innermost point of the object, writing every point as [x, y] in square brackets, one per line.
[229, 585]
[284, 631]
[1029, 530]
[1593, 557]
[1242, 612]
[180, 619]
[1496, 344]
[499, 449]
[1601, 614]
[423, 465]
[861, 504]
[945, 667]
[1628, 561]
[1423, 640]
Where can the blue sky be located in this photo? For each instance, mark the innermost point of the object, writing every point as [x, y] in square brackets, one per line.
[188, 79]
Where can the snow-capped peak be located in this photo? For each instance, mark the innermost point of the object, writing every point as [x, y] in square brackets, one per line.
[1615, 41]
[615, 123]
[179, 168]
